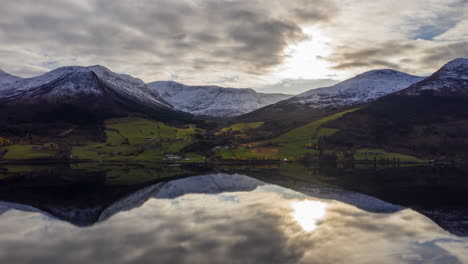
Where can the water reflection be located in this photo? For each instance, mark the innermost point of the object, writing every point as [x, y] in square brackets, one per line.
[308, 213]
[222, 218]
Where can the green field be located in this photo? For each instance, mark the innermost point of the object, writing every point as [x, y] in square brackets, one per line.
[382, 155]
[26, 152]
[290, 145]
[137, 139]
[238, 153]
[241, 127]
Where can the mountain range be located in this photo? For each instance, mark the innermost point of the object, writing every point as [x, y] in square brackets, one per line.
[77, 95]
[360, 89]
[424, 116]
[429, 117]
[214, 101]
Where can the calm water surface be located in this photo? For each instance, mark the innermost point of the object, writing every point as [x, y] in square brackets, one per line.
[213, 217]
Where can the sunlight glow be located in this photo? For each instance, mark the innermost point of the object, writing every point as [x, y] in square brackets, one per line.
[305, 59]
[308, 213]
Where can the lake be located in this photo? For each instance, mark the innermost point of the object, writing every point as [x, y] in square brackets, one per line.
[123, 213]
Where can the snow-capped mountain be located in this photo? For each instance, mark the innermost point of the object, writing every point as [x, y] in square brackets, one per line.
[77, 92]
[213, 101]
[450, 80]
[6, 78]
[68, 83]
[362, 88]
[321, 102]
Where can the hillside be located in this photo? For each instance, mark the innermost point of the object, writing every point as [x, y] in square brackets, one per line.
[77, 97]
[428, 119]
[322, 102]
[6, 78]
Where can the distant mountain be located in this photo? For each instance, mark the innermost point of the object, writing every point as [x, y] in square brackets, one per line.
[429, 118]
[450, 80]
[363, 88]
[360, 89]
[6, 78]
[72, 83]
[213, 101]
[80, 95]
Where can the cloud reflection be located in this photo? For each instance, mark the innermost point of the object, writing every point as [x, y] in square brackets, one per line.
[264, 225]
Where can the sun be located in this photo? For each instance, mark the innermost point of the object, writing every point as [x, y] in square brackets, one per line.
[307, 213]
[305, 60]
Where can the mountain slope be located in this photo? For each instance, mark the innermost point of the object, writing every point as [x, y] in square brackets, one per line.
[363, 88]
[78, 95]
[68, 83]
[6, 78]
[450, 80]
[429, 118]
[213, 101]
[321, 102]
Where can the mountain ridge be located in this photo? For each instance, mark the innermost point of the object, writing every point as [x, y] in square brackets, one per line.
[78, 95]
[450, 79]
[213, 101]
[428, 119]
[320, 102]
[6, 78]
[362, 88]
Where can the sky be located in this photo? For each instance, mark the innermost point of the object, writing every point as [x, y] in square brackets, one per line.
[269, 45]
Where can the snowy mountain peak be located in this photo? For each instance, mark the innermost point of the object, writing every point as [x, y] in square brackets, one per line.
[457, 68]
[213, 101]
[450, 80]
[70, 83]
[380, 72]
[457, 63]
[6, 78]
[362, 88]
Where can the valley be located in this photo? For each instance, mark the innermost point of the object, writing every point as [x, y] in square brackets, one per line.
[86, 114]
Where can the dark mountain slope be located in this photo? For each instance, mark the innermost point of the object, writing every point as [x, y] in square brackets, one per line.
[318, 103]
[428, 119]
[77, 96]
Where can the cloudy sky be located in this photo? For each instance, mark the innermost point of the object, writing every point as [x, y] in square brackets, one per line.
[271, 45]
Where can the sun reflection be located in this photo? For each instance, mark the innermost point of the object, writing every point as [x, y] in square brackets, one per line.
[307, 213]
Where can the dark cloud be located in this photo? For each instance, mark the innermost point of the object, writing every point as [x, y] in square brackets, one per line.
[242, 36]
[362, 56]
[443, 53]
[396, 55]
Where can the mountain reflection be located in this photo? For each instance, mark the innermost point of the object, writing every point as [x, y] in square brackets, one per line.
[221, 218]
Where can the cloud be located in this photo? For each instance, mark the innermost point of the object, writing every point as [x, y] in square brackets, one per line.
[155, 39]
[230, 43]
[418, 58]
[440, 54]
[404, 39]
